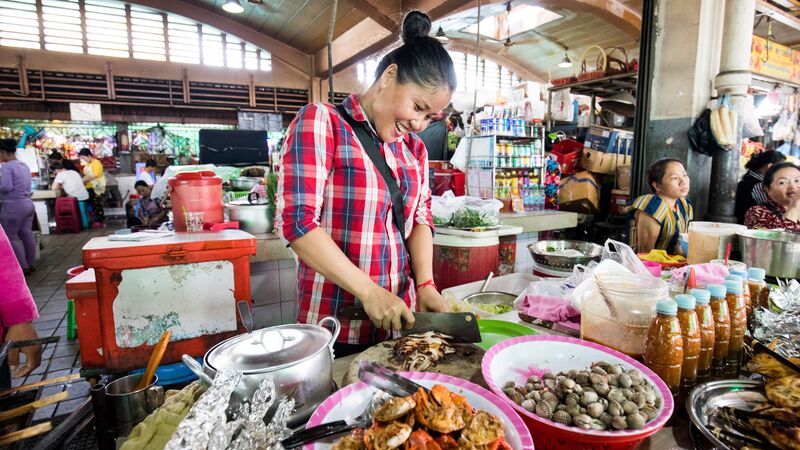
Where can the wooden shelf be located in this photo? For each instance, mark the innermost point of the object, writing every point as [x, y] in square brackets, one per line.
[602, 87]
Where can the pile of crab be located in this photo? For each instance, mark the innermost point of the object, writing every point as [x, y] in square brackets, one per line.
[434, 420]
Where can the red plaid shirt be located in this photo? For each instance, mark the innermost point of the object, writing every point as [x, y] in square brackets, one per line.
[327, 180]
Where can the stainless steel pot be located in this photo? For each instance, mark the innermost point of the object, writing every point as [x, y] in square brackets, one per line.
[255, 215]
[298, 357]
[245, 183]
[777, 252]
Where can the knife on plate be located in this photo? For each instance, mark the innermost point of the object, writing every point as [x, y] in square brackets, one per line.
[461, 326]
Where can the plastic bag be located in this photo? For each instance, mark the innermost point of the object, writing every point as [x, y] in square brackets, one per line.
[701, 139]
[623, 254]
[477, 213]
[724, 124]
[782, 130]
[442, 208]
[749, 119]
[459, 159]
[561, 104]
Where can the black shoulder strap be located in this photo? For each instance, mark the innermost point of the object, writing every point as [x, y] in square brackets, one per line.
[374, 153]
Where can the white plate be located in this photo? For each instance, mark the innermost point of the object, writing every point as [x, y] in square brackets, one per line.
[353, 399]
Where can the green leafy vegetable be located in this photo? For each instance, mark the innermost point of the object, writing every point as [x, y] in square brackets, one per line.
[470, 218]
[495, 308]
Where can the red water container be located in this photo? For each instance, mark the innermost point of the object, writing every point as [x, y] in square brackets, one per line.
[196, 191]
[458, 260]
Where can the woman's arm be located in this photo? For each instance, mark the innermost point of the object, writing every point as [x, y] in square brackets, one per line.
[420, 247]
[793, 210]
[320, 252]
[647, 230]
[6, 181]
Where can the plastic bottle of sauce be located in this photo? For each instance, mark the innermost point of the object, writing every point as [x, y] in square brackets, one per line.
[722, 328]
[690, 331]
[759, 292]
[663, 349]
[738, 314]
[748, 301]
[705, 319]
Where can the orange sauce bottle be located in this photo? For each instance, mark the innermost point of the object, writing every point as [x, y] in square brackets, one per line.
[759, 291]
[738, 314]
[690, 331]
[705, 318]
[748, 301]
[663, 348]
[722, 327]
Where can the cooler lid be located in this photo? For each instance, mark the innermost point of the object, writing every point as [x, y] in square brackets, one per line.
[238, 242]
[202, 177]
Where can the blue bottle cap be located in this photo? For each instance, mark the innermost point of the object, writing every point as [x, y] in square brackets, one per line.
[756, 273]
[733, 286]
[702, 296]
[667, 307]
[733, 277]
[717, 290]
[741, 273]
[685, 301]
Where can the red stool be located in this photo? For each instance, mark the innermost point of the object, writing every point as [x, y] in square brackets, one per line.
[68, 218]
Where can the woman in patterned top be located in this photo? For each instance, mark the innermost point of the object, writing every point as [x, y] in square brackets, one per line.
[334, 208]
[750, 190]
[782, 183]
[657, 219]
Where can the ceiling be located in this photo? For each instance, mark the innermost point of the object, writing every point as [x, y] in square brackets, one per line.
[303, 25]
[785, 28]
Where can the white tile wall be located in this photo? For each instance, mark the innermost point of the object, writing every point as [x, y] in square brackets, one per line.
[273, 285]
[524, 261]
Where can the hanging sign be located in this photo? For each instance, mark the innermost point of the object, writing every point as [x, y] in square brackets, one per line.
[774, 60]
[85, 111]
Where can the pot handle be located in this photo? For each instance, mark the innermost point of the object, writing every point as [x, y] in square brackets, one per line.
[253, 197]
[336, 327]
[195, 367]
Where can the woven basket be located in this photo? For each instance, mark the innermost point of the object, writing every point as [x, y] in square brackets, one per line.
[616, 64]
[563, 81]
[601, 65]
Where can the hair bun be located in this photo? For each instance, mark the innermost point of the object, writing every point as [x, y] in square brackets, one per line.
[416, 24]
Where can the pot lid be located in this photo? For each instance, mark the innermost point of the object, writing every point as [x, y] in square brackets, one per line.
[269, 348]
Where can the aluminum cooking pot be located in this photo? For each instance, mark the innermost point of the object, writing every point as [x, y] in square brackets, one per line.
[298, 357]
[777, 252]
[255, 215]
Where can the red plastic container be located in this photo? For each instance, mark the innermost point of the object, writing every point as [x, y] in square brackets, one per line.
[132, 291]
[196, 191]
[568, 154]
[459, 183]
[459, 260]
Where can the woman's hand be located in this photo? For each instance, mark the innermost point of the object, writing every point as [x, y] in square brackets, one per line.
[386, 310]
[431, 301]
[33, 353]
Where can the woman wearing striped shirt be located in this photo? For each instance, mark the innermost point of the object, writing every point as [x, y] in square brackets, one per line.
[334, 208]
[657, 219]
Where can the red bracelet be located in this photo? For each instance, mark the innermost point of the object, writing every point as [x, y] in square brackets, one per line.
[427, 283]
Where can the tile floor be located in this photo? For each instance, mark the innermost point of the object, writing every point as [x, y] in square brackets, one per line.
[58, 254]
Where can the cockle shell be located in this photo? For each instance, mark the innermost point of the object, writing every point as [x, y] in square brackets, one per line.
[562, 417]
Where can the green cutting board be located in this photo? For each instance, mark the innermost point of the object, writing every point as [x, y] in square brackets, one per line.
[494, 331]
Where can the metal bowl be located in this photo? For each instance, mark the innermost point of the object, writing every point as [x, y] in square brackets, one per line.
[245, 183]
[777, 252]
[592, 252]
[707, 397]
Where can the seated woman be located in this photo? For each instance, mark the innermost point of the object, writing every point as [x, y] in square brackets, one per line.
[750, 190]
[657, 219]
[782, 183]
[149, 212]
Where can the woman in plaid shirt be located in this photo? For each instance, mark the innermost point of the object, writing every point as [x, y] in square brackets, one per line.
[334, 208]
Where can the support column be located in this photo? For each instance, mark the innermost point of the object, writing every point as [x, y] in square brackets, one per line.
[734, 78]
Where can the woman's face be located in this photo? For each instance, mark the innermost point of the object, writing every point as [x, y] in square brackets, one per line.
[144, 191]
[400, 109]
[85, 159]
[675, 182]
[785, 186]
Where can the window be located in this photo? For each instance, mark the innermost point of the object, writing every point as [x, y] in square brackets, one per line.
[366, 71]
[114, 28]
[520, 19]
[490, 76]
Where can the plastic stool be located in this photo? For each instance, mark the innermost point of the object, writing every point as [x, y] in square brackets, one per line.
[72, 325]
[67, 215]
[82, 206]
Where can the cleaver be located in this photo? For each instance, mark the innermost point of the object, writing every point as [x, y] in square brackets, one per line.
[461, 326]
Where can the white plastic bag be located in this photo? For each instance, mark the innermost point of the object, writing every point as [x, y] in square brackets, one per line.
[623, 254]
[561, 106]
[459, 159]
[748, 118]
[442, 208]
[477, 212]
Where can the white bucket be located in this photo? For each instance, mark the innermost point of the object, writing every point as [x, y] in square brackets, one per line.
[708, 240]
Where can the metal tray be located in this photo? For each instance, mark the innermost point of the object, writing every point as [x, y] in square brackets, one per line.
[707, 397]
[591, 252]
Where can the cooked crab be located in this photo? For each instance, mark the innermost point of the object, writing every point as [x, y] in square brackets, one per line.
[784, 392]
[421, 440]
[386, 436]
[483, 429]
[442, 411]
[395, 408]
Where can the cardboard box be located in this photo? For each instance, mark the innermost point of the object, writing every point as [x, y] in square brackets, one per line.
[600, 162]
[609, 140]
[579, 193]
